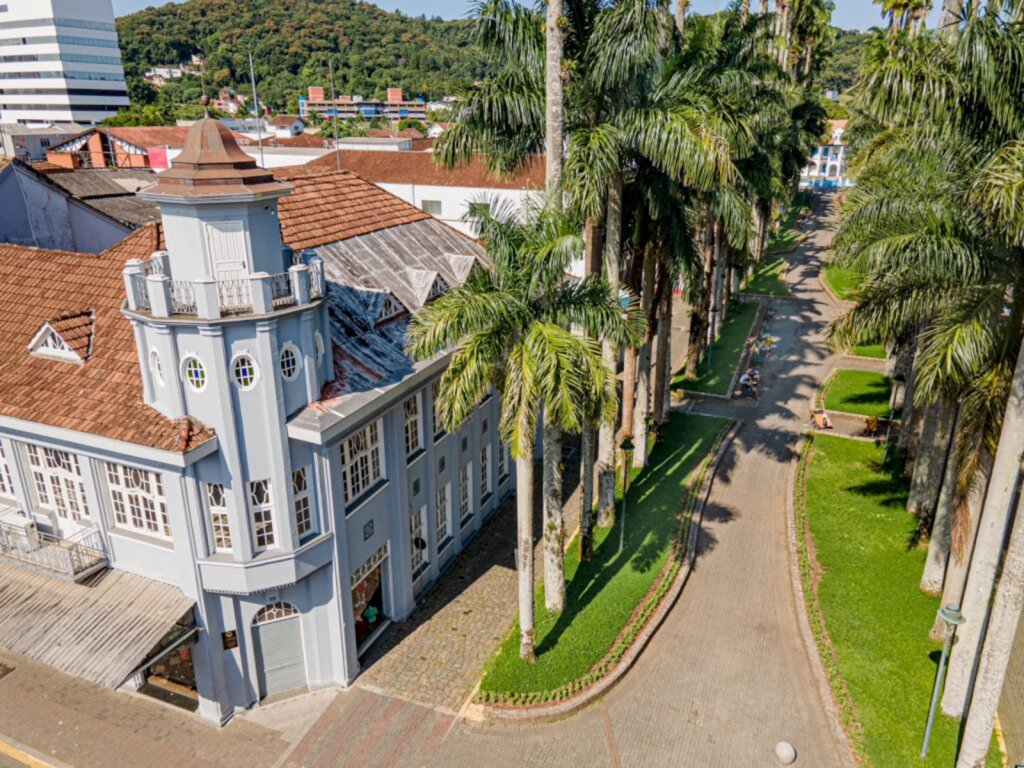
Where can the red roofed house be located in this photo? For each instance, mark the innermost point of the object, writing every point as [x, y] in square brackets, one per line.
[220, 474]
[124, 147]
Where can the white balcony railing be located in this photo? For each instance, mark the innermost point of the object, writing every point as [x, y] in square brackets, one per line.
[72, 558]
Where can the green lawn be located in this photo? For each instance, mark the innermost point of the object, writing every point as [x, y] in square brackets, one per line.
[876, 616]
[601, 595]
[767, 279]
[862, 392]
[788, 237]
[876, 351]
[843, 282]
[725, 353]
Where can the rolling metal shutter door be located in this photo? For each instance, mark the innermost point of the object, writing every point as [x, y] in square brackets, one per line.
[280, 663]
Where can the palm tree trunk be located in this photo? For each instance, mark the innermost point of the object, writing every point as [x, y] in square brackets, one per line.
[681, 7]
[524, 550]
[949, 22]
[960, 557]
[715, 299]
[938, 543]
[663, 354]
[699, 307]
[995, 655]
[932, 453]
[554, 114]
[906, 366]
[554, 527]
[607, 447]
[594, 235]
[988, 547]
[643, 380]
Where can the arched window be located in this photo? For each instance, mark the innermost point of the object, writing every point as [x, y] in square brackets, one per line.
[275, 612]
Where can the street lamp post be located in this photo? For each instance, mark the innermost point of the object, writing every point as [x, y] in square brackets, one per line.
[952, 618]
[627, 451]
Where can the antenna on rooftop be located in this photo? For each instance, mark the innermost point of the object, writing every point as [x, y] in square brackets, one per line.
[334, 100]
[256, 106]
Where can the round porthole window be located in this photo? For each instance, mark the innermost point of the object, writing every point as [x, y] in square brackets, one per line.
[156, 367]
[243, 371]
[289, 361]
[194, 373]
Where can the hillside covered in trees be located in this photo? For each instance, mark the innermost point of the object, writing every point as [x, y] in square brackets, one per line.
[840, 68]
[291, 41]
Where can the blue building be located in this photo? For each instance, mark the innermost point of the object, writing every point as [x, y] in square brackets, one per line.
[218, 468]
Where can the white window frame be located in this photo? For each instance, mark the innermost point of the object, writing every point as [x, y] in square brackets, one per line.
[57, 477]
[137, 498]
[437, 205]
[435, 392]
[504, 462]
[362, 461]
[413, 425]
[6, 483]
[418, 559]
[443, 513]
[240, 358]
[261, 516]
[156, 366]
[202, 367]
[220, 523]
[485, 471]
[302, 503]
[291, 349]
[465, 492]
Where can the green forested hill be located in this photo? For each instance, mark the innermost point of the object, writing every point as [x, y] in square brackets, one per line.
[840, 69]
[291, 40]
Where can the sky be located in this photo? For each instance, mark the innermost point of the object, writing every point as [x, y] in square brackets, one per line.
[849, 14]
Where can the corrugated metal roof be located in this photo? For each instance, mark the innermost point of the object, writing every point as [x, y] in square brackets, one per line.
[126, 616]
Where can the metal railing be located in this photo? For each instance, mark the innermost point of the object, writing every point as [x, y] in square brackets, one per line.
[68, 557]
[281, 290]
[140, 291]
[234, 296]
[316, 280]
[183, 297]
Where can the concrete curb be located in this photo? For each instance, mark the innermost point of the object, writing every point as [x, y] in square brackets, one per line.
[545, 712]
[803, 620]
[748, 346]
[835, 299]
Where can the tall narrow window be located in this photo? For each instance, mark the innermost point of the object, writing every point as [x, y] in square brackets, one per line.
[361, 461]
[303, 513]
[443, 513]
[435, 394]
[58, 482]
[418, 539]
[503, 461]
[412, 425]
[465, 507]
[218, 503]
[261, 507]
[6, 486]
[485, 472]
[138, 500]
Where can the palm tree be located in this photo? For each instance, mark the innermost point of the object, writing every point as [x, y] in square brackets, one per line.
[506, 328]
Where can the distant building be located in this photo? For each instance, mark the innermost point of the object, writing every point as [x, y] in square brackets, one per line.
[59, 62]
[448, 195]
[31, 143]
[827, 168]
[158, 76]
[286, 126]
[124, 147]
[395, 108]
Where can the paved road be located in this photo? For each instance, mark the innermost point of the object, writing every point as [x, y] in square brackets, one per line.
[723, 680]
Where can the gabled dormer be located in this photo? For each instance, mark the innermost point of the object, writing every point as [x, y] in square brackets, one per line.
[68, 338]
[438, 287]
[390, 309]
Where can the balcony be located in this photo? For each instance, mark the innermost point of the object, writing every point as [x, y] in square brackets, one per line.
[151, 290]
[74, 559]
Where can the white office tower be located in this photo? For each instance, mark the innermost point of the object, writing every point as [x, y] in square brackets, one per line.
[59, 62]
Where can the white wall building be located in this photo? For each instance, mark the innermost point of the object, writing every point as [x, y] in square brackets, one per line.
[827, 167]
[59, 61]
[446, 194]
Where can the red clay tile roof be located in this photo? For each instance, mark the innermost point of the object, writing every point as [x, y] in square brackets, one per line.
[284, 121]
[75, 329]
[46, 167]
[419, 168]
[384, 133]
[304, 139]
[104, 395]
[330, 207]
[150, 136]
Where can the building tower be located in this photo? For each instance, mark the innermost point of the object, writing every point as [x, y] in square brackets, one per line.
[59, 62]
[232, 333]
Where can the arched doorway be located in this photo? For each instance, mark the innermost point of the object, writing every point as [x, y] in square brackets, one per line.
[277, 642]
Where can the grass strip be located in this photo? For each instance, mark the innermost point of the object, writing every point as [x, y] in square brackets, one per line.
[868, 615]
[610, 599]
[842, 281]
[861, 392]
[726, 352]
[767, 279]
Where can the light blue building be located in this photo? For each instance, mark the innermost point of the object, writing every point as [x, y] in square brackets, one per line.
[214, 445]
